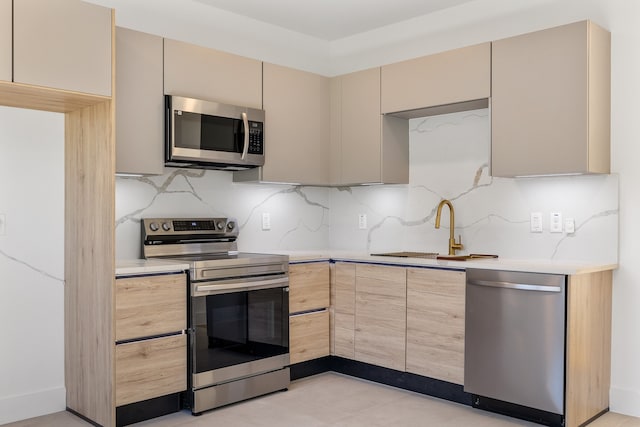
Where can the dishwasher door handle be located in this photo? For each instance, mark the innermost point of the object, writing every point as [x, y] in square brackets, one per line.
[518, 286]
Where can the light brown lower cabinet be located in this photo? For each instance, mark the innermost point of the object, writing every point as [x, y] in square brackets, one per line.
[309, 301]
[588, 341]
[150, 368]
[381, 315]
[309, 336]
[344, 309]
[435, 323]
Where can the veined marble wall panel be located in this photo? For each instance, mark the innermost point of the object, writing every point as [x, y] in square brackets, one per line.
[450, 159]
[299, 215]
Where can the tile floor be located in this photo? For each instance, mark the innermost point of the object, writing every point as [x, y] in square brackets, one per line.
[334, 400]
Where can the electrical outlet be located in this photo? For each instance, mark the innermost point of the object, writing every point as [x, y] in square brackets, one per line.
[555, 222]
[536, 222]
[569, 226]
[3, 224]
[362, 221]
[266, 221]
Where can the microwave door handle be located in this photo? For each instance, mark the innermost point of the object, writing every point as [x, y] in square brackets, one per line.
[245, 150]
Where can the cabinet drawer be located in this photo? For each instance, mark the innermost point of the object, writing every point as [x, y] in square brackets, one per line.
[308, 287]
[150, 368]
[309, 336]
[150, 305]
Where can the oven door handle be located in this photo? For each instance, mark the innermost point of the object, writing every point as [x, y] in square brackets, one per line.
[259, 284]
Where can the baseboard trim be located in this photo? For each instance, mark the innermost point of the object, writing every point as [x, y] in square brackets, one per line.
[25, 406]
[625, 401]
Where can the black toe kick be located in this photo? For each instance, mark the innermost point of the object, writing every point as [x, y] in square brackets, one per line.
[145, 410]
[399, 379]
[517, 411]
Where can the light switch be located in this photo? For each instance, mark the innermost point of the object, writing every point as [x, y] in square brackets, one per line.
[536, 222]
[555, 222]
[266, 221]
[3, 224]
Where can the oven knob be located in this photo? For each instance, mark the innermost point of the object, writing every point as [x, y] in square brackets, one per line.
[166, 226]
[220, 225]
[231, 225]
[153, 226]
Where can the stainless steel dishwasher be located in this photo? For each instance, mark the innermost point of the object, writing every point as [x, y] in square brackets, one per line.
[515, 343]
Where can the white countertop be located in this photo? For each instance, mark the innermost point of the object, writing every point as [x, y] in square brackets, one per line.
[142, 266]
[132, 267]
[508, 264]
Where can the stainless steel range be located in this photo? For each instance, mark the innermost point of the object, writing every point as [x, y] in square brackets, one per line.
[238, 310]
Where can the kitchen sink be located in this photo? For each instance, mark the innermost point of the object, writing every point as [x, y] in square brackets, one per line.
[434, 255]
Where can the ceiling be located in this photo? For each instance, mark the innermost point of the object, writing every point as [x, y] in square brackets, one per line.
[331, 19]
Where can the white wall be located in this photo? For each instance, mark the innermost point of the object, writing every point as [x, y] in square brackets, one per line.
[31, 264]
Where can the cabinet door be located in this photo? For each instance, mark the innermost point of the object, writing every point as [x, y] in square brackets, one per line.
[197, 72]
[381, 315]
[435, 324]
[454, 76]
[361, 127]
[6, 39]
[308, 287]
[371, 148]
[296, 105]
[150, 368]
[344, 310]
[139, 103]
[309, 336]
[551, 102]
[62, 44]
[150, 305]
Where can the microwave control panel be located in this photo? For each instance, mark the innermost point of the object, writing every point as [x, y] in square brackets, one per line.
[256, 138]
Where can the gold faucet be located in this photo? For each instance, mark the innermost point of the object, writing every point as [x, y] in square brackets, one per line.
[453, 246]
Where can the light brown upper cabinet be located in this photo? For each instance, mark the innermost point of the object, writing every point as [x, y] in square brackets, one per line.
[139, 103]
[450, 78]
[296, 105]
[551, 98]
[366, 146]
[198, 72]
[62, 44]
[6, 42]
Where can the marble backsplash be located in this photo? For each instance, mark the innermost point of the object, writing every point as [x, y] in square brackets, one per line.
[450, 157]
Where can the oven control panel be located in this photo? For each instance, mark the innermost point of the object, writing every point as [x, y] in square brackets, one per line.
[211, 227]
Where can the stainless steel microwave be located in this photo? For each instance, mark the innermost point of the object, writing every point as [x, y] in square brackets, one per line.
[210, 135]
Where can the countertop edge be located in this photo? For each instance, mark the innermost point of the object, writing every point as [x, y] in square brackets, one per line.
[141, 266]
[523, 265]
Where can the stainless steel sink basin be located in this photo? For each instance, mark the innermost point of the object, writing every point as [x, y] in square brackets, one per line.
[434, 255]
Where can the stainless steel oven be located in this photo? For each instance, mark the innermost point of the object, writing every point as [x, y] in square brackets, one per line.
[238, 310]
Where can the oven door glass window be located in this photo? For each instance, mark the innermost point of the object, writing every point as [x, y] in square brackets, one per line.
[240, 327]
